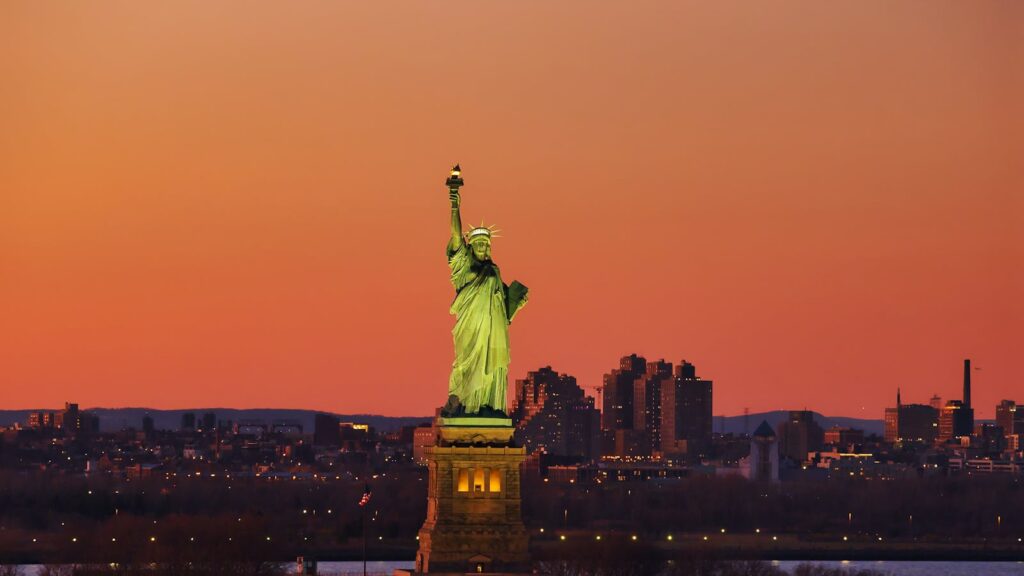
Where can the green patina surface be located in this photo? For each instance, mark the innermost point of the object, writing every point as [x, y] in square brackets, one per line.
[484, 307]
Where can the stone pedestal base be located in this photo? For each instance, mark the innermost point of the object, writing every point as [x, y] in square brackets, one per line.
[474, 522]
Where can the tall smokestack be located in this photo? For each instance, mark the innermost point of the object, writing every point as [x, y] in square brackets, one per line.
[967, 383]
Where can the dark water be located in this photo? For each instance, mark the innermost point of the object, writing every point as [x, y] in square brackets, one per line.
[917, 568]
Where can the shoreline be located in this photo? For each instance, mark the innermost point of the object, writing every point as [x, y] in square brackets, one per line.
[719, 547]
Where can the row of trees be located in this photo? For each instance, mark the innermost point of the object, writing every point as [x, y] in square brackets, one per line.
[46, 516]
[937, 507]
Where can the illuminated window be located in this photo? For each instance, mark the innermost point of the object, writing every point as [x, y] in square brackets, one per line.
[463, 480]
[495, 485]
[478, 480]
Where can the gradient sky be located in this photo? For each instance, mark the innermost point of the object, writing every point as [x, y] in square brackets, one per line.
[224, 204]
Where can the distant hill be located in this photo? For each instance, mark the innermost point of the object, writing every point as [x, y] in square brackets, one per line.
[114, 419]
[741, 424]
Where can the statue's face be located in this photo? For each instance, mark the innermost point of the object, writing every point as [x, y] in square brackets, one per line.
[481, 249]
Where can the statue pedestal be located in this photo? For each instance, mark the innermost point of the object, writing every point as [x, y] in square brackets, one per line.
[474, 522]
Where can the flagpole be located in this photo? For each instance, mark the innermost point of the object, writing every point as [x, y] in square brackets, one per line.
[364, 540]
[362, 504]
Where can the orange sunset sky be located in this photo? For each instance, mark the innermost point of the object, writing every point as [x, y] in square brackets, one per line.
[242, 204]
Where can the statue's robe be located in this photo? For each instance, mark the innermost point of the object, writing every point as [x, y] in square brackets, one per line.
[480, 372]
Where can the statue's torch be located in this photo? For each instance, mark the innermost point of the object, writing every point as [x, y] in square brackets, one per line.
[454, 181]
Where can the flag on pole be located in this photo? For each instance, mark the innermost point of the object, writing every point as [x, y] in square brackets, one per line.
[366, 496]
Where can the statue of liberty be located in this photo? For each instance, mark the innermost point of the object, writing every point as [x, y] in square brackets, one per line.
[484, 307]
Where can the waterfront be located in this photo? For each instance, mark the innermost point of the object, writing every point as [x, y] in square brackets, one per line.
[915, 568]
[886, 567]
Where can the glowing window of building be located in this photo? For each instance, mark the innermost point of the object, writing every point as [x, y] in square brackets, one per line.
[495, 485]
[463, 480]
[478, 480]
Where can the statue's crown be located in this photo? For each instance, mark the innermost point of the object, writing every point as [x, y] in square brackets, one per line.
[482, 231]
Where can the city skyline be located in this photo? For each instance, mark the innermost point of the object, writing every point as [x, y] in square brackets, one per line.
[200, 208]
[599, 396]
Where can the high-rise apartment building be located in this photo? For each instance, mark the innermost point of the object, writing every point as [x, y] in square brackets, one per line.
[843, 438]
[686, 413]
[1010, 417]
[911, 422]
[798, 435]
[918, 423]
[892, 425]
[955, 421]
[617, 409]
[326, 430]
[209, 421]
[70, 418]
[647, 402]
[551, 414]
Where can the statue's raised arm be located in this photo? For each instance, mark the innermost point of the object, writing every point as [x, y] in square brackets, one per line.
[454, 182]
